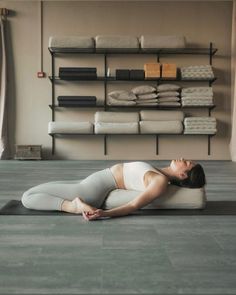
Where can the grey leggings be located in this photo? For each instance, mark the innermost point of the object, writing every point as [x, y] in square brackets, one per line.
[49, 196]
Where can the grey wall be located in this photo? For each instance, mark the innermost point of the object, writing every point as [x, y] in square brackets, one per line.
[199, 22]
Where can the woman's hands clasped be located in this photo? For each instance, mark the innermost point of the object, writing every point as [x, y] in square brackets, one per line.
[88, 215]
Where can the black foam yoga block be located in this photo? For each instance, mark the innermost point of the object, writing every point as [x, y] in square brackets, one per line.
[136, 74]
[122, 74]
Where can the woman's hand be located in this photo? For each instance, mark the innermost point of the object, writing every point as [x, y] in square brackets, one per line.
[93, 215]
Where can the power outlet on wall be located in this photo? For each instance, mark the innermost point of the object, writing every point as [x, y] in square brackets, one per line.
[41, 74]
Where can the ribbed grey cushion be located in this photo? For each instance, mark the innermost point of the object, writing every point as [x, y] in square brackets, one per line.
[71, 42]
[152, 41]
[116, 128]
[116, 117]
[161, 115]
[122, 94]
[70, 127]
[174, 198]
[116, 41]
[160, 127]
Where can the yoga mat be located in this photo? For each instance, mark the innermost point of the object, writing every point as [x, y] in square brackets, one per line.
[15, 207]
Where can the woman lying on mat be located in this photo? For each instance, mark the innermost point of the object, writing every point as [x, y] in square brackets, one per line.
[87, 196]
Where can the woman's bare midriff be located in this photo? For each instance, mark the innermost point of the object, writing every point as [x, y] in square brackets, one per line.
[117, 171]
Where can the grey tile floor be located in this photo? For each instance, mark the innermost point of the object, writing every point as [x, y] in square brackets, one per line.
[127, 255]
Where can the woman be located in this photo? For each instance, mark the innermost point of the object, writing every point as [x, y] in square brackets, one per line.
[87, 197]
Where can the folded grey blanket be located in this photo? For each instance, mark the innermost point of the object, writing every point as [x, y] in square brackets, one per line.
[149, 104]
[168, 99]
[122, 95]
[169, 103]
[199, 119]
[168, 87]
[198, 96]
[168, 93]
[161, 115]
[71, 42]
[116, 41]
[143, 89]
[210, 131]
[153, 41]
[116, 117]
[147, 96]
[116, 128]
[197, 90]
[141, 101]
[197, 104]
[160, 127]
[118, 102]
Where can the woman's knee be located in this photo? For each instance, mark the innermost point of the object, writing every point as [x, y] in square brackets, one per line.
[27, 200]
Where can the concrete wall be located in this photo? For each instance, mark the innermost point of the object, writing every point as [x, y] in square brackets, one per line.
[200, 22]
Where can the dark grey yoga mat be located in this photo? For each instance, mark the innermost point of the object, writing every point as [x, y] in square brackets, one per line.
[15, 207]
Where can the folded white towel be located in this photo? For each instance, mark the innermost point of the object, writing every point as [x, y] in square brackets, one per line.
[148, 104]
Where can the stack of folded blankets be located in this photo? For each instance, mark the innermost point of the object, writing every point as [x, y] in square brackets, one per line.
[152, 70]
[77, 73]
[76, 101]
[70, 127]
[116, 123]
[200, 125]
[121, 98]
[145, 95]
[197, 72]
[168, 95]
[197, 96]
[161, 122]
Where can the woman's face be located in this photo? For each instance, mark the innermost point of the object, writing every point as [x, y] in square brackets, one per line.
[181, 167]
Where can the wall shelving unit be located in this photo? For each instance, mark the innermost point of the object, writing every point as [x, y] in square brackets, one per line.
[108, 53]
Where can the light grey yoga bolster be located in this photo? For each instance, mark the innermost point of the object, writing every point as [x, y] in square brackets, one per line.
[174, 198]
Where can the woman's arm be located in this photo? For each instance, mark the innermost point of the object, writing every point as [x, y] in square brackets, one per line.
[154, 189]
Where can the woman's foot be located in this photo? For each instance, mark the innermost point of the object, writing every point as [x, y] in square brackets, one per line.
[76, 206]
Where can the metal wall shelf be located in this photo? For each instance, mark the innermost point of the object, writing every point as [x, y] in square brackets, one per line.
[210, 51]
[53, 135]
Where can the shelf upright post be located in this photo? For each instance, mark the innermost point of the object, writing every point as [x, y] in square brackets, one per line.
[53, 98]
[157, 144]
[105, 81]
[209, 145]
[210, 84]
[210, 53]
[105, 144]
